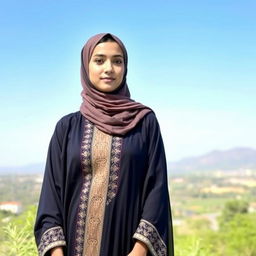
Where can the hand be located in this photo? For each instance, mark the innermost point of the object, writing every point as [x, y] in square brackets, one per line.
[57, 251]
[139, 249]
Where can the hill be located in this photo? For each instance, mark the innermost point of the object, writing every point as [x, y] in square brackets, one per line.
[229, 160]
[26, 169]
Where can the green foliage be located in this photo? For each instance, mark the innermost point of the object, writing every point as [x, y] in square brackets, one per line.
[199, 226]
[240, 235]
[191, 246]
[233, 208]
[235, 237]
[19, 238]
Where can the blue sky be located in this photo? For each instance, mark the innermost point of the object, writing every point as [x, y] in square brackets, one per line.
[193, 62]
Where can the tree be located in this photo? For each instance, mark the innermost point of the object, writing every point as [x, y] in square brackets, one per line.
[232, 208]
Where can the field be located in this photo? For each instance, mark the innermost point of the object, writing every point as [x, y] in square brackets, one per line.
[213, 213]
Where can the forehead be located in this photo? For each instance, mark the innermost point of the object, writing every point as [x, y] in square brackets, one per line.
[108, 49]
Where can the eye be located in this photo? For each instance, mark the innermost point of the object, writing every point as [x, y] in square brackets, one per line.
[118, 61]
[98, 61]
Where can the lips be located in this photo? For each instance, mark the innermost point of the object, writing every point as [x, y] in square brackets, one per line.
[107, 79]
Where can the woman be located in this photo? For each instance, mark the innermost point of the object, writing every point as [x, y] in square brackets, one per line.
[105, 186]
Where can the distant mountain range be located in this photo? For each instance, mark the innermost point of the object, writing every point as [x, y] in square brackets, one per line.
[228, 160]
[26, 169]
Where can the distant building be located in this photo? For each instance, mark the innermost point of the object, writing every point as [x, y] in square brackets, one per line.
[178, 180]
[13, 207]
[39, 179]
[252, 207]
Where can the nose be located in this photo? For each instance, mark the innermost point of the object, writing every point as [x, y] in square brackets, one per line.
[108, 67]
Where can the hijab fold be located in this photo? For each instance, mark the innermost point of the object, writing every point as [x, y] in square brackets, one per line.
[114, 113]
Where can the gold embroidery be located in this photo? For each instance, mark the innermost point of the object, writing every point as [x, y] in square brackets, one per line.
[86, 168]
[100, 162]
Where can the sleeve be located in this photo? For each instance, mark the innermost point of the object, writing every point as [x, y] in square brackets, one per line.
[155, 227]
[49, 221]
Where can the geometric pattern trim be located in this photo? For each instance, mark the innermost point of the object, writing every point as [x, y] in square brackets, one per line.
[84, 196]
[147, 233]
[51, 238]
[114, 168]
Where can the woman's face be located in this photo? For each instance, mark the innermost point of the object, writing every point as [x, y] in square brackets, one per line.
[106, 67]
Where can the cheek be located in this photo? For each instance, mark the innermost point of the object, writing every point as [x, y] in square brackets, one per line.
[93, 72]
[121, 73]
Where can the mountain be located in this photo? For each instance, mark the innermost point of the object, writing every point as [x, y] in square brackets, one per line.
[229, 160]
[26, 169]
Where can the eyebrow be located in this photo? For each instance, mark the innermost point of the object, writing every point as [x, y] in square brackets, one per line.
[102, 55]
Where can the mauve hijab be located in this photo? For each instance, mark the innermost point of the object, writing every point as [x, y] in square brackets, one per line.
[114, 113]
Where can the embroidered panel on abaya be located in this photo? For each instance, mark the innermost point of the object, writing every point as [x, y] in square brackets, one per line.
[100, 157]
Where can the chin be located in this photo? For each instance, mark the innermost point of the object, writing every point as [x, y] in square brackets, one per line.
[107, 88]
[104, 89]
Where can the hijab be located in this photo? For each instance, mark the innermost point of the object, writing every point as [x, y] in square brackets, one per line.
[114, 113]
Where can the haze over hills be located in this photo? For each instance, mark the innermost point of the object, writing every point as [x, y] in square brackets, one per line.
[228, 160]
[24, 169]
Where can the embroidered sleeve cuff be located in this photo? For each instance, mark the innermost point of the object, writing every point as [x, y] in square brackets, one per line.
[148, 234]
[51, 238]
